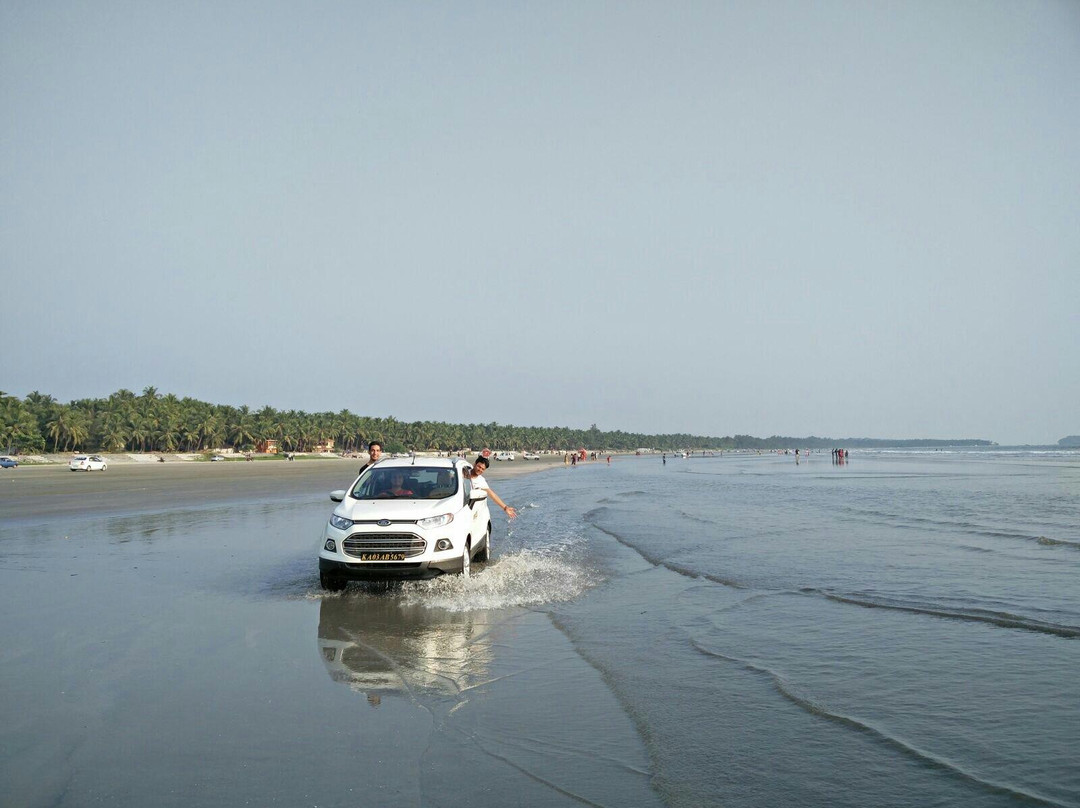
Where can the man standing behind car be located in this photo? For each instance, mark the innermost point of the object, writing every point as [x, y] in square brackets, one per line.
[476, 477]
[374, 450]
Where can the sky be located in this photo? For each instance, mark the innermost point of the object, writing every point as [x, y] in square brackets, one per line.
[843, 219]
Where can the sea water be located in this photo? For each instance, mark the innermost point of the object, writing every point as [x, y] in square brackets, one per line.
[900, 629]
[736, 630]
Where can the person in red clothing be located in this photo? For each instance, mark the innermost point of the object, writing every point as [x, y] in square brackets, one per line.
[397, 486]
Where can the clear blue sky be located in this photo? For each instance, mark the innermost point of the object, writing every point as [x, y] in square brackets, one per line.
[841, 219]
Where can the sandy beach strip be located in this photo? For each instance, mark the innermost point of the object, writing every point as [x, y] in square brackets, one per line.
[50, 488]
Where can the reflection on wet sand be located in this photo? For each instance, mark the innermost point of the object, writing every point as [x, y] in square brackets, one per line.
[378, 646]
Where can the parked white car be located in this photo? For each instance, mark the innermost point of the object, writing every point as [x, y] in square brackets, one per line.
[88, 463]
[505, 456]
[404, 519]
[530, 456]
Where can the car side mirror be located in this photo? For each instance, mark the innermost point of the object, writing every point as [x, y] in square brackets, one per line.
[338, 496]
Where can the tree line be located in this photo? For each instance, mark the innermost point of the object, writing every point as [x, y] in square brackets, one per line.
[153, 422]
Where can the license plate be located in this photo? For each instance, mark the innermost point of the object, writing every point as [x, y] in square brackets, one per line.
[382, 556]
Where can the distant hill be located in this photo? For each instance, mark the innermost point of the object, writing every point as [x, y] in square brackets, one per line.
[1071, 442]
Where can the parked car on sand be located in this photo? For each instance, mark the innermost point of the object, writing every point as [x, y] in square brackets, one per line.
[530, 456]
[506, 456]
[217, 458]
[8, 462]
[405, 519]
[88, 463]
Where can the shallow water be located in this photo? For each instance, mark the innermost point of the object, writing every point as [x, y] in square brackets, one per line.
[737, 630]
[899, 630]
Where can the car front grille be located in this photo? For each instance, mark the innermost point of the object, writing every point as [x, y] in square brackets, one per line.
[407, 543]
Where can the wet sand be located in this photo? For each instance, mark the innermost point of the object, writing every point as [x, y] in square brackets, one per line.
[33, 491]
[164, 642]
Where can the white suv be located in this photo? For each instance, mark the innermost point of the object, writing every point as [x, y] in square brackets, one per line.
[405, 518]
[505, 456]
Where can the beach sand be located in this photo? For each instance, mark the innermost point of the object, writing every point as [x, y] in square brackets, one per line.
[140, 482]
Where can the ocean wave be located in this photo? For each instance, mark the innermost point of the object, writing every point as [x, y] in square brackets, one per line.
[659, 561]
[1018, 452]
[590, 516]
[996, 618]
[815, 707]
[905, 521]
[694, 518]
[1045, 540]
[652, 558]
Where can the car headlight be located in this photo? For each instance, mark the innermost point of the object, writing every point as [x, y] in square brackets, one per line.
[340, 522]
[435, 521]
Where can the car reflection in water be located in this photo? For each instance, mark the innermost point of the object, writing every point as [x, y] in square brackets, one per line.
[379, 647]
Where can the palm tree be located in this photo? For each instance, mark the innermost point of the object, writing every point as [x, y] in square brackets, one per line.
[212, 431]
[78, 428]
[42, 409]
[138, 431]
[240, 430]
[59, 424]
[168, 435]
[113, 436]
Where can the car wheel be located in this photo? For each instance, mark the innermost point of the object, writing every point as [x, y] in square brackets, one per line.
[104, 466]
[485, 554]
[466, 561]
[331, 583]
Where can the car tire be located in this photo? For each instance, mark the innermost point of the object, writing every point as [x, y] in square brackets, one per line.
[331, 583]
[485, 555]
[466, 561]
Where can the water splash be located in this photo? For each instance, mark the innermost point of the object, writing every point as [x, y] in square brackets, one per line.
[522, 578]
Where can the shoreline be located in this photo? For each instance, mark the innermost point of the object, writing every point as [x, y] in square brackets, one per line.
[45, 490]
[153, 460]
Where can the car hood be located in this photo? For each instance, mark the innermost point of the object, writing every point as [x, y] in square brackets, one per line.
[395, 510]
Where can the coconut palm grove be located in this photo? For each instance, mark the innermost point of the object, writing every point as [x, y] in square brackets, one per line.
[156, 422]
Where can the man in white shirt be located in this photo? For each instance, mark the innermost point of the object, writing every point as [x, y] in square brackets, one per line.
[476, 477]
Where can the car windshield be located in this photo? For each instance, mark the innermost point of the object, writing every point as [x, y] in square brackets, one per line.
[406, 482]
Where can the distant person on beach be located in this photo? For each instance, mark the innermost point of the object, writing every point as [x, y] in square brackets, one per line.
[476, 477]
[374, 453]
[664, 458]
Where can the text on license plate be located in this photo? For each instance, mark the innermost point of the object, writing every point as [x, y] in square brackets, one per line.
[382, 556]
